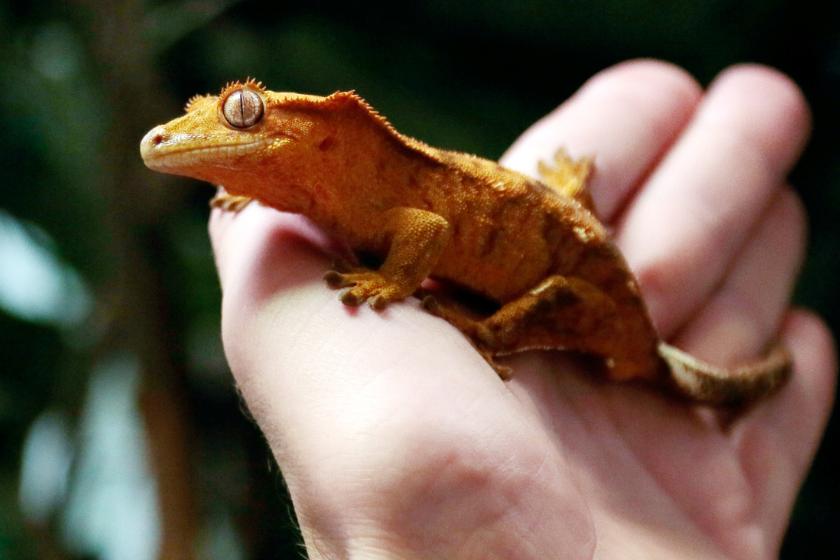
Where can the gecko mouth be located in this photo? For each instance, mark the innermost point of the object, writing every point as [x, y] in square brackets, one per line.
[162, 151]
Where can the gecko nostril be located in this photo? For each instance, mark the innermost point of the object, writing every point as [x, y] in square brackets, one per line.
[326, 143]
[157, 139]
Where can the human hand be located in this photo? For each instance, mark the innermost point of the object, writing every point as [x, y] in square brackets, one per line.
[397, 440]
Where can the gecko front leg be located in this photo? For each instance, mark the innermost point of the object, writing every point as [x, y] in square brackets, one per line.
[417, 238]
[229, 202]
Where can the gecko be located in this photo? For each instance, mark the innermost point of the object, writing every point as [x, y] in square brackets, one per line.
[545, 271]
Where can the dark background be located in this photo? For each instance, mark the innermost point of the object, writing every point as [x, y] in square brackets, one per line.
[83, 81]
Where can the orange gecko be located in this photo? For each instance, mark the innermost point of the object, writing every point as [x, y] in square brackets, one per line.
[533, 249]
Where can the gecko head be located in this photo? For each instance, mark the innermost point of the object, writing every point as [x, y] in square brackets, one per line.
[239, 137]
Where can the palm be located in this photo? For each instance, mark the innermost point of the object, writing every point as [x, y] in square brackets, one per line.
[665, 467]
[396, 438]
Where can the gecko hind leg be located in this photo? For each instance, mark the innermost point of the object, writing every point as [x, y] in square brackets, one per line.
[561, 314]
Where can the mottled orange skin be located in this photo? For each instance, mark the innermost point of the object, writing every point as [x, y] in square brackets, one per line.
[534, 248]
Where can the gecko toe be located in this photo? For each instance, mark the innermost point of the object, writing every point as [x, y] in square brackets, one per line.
[505, 373]
[378, 302]
[351, 299]
[336, 280]
[340, 265]
[430, 304]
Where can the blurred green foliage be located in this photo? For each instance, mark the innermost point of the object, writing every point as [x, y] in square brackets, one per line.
[83, 81]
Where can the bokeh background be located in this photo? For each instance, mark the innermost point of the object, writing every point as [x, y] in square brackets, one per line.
[121, 433]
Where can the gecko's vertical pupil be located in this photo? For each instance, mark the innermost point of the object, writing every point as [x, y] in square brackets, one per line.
[243, 108]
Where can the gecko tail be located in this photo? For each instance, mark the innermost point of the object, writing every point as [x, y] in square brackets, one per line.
[727, 387]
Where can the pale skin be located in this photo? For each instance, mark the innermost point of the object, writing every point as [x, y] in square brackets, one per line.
[397, 440]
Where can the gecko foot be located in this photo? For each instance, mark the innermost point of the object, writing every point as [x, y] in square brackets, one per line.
[366, 286]
[567, 177]
[352, 299]
[505, 373]
[228, 202]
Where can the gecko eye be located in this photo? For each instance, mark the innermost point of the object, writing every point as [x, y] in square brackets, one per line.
[243, 108]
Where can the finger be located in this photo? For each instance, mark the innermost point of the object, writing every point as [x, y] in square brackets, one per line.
[695, 212]
[778, 441]
[394, 398]
[626, 116]
[220, 222]
[237, 241]
[745, 311]
[306, 364]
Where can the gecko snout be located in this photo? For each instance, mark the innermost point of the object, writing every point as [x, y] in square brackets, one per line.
[149, 146]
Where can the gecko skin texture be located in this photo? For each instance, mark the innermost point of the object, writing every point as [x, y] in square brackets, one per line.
[534, 250]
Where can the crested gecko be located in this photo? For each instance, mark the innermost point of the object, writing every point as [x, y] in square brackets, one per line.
[533, 249]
